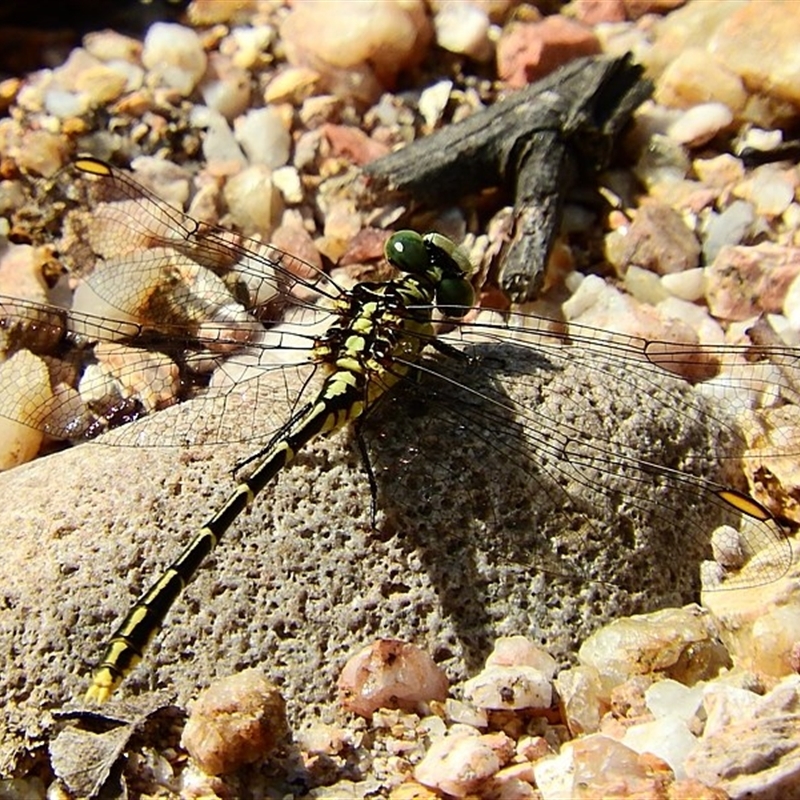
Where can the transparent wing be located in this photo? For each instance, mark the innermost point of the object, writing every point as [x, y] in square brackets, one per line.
[595, 436]
[63, 386]
[604, 456]
[138, 241]
[167, 309]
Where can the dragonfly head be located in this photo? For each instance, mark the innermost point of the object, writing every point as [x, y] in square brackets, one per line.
[440, 259]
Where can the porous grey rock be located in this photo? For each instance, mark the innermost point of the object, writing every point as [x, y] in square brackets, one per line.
[462, 551]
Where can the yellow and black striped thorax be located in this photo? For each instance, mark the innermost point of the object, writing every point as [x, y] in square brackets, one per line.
[384, 326]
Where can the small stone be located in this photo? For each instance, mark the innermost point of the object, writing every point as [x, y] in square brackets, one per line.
[432, 726]
[727, 547]
[514, 782]
[151, 377]
[238, 720]
[583, 763]
[21, 273]
[291, 237]
[219, 143]
[731, 227]
[225, 87]
[628, 698]
[287, 182]
[459, 763]
[762, 140]
[597, 304]
[248, 44]
[465, 713]
[353, 144]
[651, 120]
[532, 748]
[688, 285]
[668, 738]
[41, 152]
[658, 240]
[725, 705]
[64, 104]
[708, 330]
[101, 84]
[527, 51]
[463, 28]
[663, 161]
[509, 688]
[582, 699]
[645, 285]
[519, 651]
[758, 42]
[775, 635]
[317, 110]
[694, 77]
[657, 643]
[593, 12]
[212, 12]
[24, 395]
[254, 203]
[769, 189]
[292, 85]
[109, 45]
[390, 674]
[719, 171]
[433, 101]
[685, 28]
[745, 281]
[264, 137]
[342, 222]
[323, 738]
[167, 180]
[756, 753]
[700, 124]
[687, 196]
[175, 55]
[358, 48]
[638, 8]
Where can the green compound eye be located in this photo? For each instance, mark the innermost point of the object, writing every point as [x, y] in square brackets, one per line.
[454, 293]
[406, 250]
[455, 296]
[451, 249]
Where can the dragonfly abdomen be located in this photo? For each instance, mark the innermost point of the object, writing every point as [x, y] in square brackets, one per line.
[373, 331]
[127, 644]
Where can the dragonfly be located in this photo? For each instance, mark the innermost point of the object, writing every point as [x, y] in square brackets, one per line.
[181, 311]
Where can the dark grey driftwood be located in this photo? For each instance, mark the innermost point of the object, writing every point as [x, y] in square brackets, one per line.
[785, 151]
[538, 141]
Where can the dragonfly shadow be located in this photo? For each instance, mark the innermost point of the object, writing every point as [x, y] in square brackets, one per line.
[540, 494]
